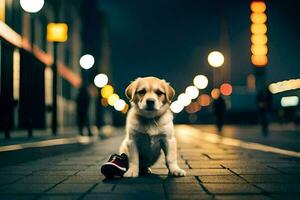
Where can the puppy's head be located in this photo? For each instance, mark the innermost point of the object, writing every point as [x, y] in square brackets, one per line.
[150, 95]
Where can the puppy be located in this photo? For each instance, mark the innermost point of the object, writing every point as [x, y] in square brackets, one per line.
[149, 127]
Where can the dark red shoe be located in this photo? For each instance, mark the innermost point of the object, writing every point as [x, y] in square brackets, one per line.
[117, 165]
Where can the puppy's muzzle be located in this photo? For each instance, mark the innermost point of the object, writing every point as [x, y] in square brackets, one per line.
[150, 104]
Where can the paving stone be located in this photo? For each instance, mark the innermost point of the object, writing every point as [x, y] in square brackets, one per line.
[198, 172]
[84, 179]
[139, 188]
[5, 179]
[181, 188]
[187, 180]
[255, 171]
[41, 179]
[17, 197]
[152, 178]
[103, 187]
[204, 165]
[144, 196]
[285, 196]
[221, 179]
[240, 188]
[15, 172]
[59, 197]
[242, 197]
[66, 188]
[25, 188]
[289, 170]
[190, 197]
[55, 173]
[280, 188]
[274, 178]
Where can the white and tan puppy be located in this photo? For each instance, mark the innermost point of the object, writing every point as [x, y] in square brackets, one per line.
[149, 127]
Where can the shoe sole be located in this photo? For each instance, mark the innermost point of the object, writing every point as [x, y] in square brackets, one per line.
[110, 170]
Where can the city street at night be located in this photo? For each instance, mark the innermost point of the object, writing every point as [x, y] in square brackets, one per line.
[149, 100]
[216, 169]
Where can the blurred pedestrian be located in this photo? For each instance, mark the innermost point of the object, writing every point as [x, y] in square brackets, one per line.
[83, 101]
[219, 107]
[264, 107]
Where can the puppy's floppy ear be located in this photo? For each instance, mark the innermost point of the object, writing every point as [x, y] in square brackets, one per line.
[131, 88]
[170, 92]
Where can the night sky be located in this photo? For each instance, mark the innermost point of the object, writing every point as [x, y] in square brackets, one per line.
[171, 39]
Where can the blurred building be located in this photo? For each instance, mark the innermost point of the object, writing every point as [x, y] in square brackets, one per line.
[25, 65]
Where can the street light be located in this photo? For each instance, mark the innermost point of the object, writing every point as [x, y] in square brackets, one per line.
[87, 61]
[32, 6]
[56, 32]
[215, 59]
[101, 80]
[200, 81]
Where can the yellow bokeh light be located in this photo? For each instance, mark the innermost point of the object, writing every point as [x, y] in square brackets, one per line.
[106, 91]
[258, 18]
[259, 39]
[259, 49]
[259, 60]
[258, 28]
[258, 6]
[112, 99]
[57, 32]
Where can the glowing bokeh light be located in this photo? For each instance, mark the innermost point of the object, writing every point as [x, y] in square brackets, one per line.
[192, 92]
[289, 101]
[258, 6]
[120, 105]
[87, 61]
[200, 81]
[101, 80]
[259, 39]
[106, 91]
[176, 107]
[226, 89]
[184, 99]
[259, 60]
[215, 93]
[259, 49]
[204, 100]
[32, 6]
[112, 99]
[258, 18]
[215, 59]
[283, 86]
[258, 29]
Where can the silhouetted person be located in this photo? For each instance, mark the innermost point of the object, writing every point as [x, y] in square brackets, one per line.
[264, 107]
[83, 101]
[219, 107]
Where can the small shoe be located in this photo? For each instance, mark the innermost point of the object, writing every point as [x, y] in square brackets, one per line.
[117, 165]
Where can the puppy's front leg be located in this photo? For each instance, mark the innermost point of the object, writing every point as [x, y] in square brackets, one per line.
[170, 151]
[133, 170]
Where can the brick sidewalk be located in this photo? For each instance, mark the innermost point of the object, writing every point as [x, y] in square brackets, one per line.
[214, 171]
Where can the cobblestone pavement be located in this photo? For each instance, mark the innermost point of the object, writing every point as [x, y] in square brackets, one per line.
[214, 171]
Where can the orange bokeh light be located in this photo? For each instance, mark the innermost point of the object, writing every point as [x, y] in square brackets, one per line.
[258, 28]
[193, 107]
[259, 39]
[258, 6]
[215, 93]
[226, 89]
[204, 100]
[258, 18]
[259, 60]
[259, 49]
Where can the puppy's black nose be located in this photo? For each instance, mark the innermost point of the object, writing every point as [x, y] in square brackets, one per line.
[150, 103]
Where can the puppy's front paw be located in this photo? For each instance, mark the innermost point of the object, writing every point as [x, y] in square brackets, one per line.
[177, 172]
[131, 173]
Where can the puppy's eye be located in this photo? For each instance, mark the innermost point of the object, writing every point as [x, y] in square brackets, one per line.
[142, 92]
[159, 93]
